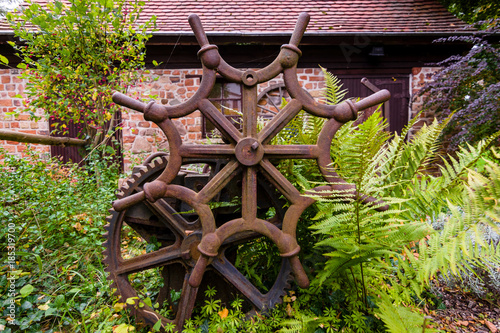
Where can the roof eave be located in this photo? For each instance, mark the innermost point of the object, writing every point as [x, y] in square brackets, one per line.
[315, 34]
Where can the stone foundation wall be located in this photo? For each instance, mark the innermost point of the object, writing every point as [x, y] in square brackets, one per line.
[170, 87]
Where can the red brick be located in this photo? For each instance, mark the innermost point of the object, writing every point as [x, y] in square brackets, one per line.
[5, 102]
[194, 128]
[5, 79]
[10, 149]
[145, 124]
[189, 82]
[23, 117]
[136, 116]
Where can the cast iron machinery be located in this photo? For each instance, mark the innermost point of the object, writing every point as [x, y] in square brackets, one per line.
[164, 203]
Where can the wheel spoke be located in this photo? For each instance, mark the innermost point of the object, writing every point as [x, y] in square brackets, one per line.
[249, 194]
[219, 120]
[150, 260]
[200, 151]
[279, 181]
[171, 217]
[231, 273]
[272, 102]
[186, 303]
[218, 182]
[279, 121]
[249, 111]
[291, 151]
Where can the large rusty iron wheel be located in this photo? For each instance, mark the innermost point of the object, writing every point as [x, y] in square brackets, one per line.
[250, 157]
[179, 234]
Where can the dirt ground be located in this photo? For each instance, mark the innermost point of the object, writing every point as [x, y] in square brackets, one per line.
[465, 313]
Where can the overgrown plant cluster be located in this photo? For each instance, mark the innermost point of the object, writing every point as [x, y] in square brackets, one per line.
[57, 212]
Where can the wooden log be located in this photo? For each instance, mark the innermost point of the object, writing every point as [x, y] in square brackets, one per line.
[41, 139]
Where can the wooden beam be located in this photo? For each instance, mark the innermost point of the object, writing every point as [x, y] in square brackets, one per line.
[41, 139]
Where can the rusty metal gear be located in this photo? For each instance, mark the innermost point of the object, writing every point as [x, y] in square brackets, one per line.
[179, 235]
[249, 155]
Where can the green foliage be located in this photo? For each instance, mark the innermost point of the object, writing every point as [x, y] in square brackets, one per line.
[54, 214]
[473, 11]
[75, 54]
[367, 238]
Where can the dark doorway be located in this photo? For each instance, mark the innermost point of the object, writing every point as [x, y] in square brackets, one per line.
[396, 112]
[77, 154]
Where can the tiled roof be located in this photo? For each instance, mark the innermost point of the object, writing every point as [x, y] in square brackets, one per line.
[265, 16]
[327, 16]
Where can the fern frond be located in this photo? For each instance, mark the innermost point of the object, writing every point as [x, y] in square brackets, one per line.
[333, 93]
[400, 319]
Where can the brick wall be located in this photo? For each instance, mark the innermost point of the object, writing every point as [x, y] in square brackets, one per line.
[141, 138]
[419, 77]
[170, 87]
[11, 98]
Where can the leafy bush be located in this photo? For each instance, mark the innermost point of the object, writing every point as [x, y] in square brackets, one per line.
[468, 86]
[52, 218]
[81, 52]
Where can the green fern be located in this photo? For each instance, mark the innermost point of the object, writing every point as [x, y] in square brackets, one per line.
[400, 319]
[359, 238]
[333, 92]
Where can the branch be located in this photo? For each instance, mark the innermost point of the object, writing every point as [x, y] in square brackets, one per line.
[42, 139]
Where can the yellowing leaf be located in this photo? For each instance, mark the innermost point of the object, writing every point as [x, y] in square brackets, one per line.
[123, 328]
[43, 307]
[118, 307]
[289, 310]
[131, 301]
[223, 314]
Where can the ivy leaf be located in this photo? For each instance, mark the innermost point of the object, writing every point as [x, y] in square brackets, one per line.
[157, 326]
[223, 314]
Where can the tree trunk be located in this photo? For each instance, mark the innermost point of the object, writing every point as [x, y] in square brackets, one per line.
[41, 139]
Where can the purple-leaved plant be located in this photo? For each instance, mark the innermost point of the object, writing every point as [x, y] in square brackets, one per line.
[469, 86]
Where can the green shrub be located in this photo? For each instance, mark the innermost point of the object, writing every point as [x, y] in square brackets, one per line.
[53, 216]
